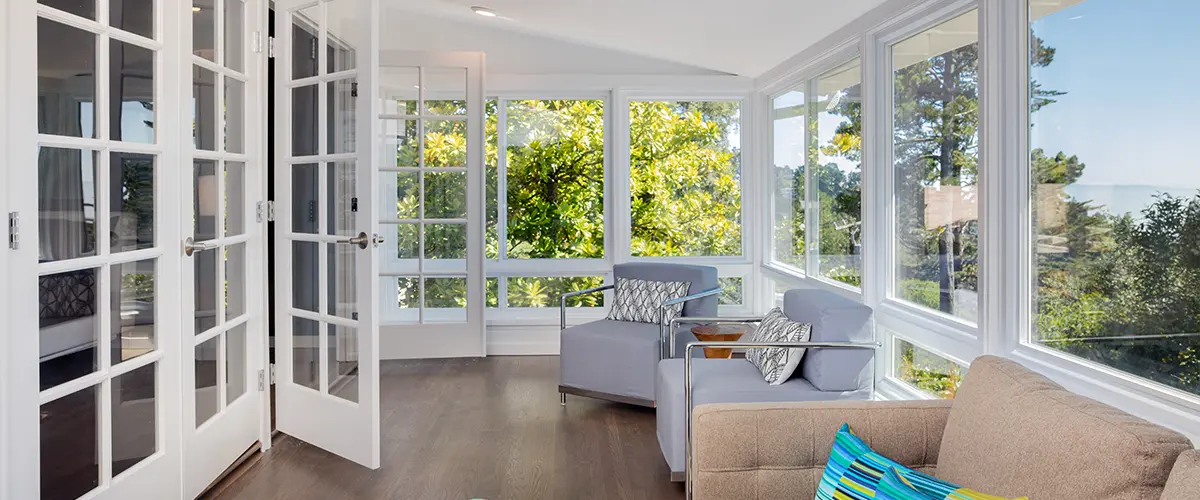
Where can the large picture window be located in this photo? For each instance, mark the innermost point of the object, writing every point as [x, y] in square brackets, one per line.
[1115, 181]
[836, 157]
[685, 187]
[935, 148]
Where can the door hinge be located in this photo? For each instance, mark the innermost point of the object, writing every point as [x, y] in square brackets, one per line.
[14, 230]
[270, 47]
[270, 211]
[354, 89]
[265, 211]
[262, 380]
[257, 42]
[271, 372]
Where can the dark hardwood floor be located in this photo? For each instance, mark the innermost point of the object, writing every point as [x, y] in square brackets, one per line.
[487, 428]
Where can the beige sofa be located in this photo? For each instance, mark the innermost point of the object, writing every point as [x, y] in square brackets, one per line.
[1010, 432]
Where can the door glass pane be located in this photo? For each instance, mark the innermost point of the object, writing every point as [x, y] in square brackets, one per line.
[305, 281]
[408, 246]
[445, 91]
[400, 147]
[445, 299]
[67, 194]
[343, 276]
[304, 41]
[408, 292]
[305, 189]
[66, 79]
[338, 56]
[398, 194]
[342, 198]
[68, 326]
[445, 143]
[205, 263]
[235, 113]
[131, 216]
[70, 445]
[341, 115]
[399, 90]
[235, 198]
[133, 310]
[235, 363]
[235, 281]
[343, 362]
[204, 29]
[235, 46]
[445, 195]
[204, 205]
[134, 16]
[207, 398]
[445, 241]
[134, 414]
[81, 8]
[305, 353]
[304, 120]
[132, 90]
[204, 109]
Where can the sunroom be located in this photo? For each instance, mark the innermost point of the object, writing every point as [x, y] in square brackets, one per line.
[524, 249]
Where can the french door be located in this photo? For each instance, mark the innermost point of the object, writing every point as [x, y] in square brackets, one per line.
[224, 320]
[326, 328]
[92, 353]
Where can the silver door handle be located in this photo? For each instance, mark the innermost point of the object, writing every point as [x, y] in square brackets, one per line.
[190, 246]
[362, 240]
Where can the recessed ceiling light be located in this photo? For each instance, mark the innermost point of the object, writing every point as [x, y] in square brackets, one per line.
[484, 11]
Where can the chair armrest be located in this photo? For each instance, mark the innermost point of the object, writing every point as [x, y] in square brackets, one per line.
[687, 391]
[780, 449]
[663, 353]
[739, 320]
[562, 303]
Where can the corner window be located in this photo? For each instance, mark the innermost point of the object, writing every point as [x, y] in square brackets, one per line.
[1116, 185]
[836, 159]
[935, 150]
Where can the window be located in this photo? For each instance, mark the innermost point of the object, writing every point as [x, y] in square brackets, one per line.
[685, 187]
[732, 291]
[1115, 181]
[535, 291]
[927, 371]
[935, 149]
[836, 157]
[789, 122]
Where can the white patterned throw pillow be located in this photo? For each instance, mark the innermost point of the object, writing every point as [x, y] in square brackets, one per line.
[639, 300]
[777, 364]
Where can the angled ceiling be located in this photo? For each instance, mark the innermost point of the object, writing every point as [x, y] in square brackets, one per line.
[744, 37]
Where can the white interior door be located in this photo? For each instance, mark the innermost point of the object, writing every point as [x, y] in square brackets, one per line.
[431, 175]
[92, 349]
[326, 328]
[223, 286]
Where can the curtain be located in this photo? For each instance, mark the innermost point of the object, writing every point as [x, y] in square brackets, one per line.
[65, 226]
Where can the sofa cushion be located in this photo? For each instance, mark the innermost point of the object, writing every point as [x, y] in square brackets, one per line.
[610, 357]
[777, 364]
[721, 381]
[834, 319]
[1013, 432]
[1184, 483]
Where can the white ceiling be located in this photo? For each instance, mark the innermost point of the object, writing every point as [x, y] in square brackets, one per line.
[745, 37]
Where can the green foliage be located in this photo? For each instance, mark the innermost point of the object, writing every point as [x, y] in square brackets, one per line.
[929, 372]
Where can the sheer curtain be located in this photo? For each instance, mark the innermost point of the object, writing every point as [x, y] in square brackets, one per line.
[64, 222]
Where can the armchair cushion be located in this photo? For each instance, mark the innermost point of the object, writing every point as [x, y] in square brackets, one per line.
[834, 319]
[641, 300]
[610, 357]
[777, 364]
[701, 278]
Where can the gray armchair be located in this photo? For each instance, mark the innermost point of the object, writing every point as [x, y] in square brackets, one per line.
[616, 360]
[838, 365]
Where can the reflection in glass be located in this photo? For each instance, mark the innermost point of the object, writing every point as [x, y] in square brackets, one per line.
[235, 281]
[398, 194]
[342, 198]
[305, 124]
[235, 45]
[81, 8]
[306, 353]
[205, 266]
[305, 194]
[208, 401]
[445, 241]
[205, 204]
[343, 362]
[836, 156]
[339, 57]
[445, 91]
[70, 445]
[235, 363]
[133, 310]
[235, 115]
[398, 90]
[134, 418]
[305, 42]
[235, 198]
[446, 195]
[341, 115]
[204, 109]
[134, 16]
[131, 209]
[67, 193]
[305, 275]
[789, 119]
[68, 326]
[204, 29]
[445, 143]
[936, 150]
[342, 280]
[66, 78]
[400, 147]
[132, 90]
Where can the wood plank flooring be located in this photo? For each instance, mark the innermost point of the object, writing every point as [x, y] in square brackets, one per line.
[487, 428]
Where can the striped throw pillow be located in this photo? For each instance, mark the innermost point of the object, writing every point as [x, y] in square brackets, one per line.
[856, 472]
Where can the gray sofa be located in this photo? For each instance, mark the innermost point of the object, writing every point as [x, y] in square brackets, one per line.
[825, 374]
[616, 360]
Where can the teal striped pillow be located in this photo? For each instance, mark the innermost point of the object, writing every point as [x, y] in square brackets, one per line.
[856, 472]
